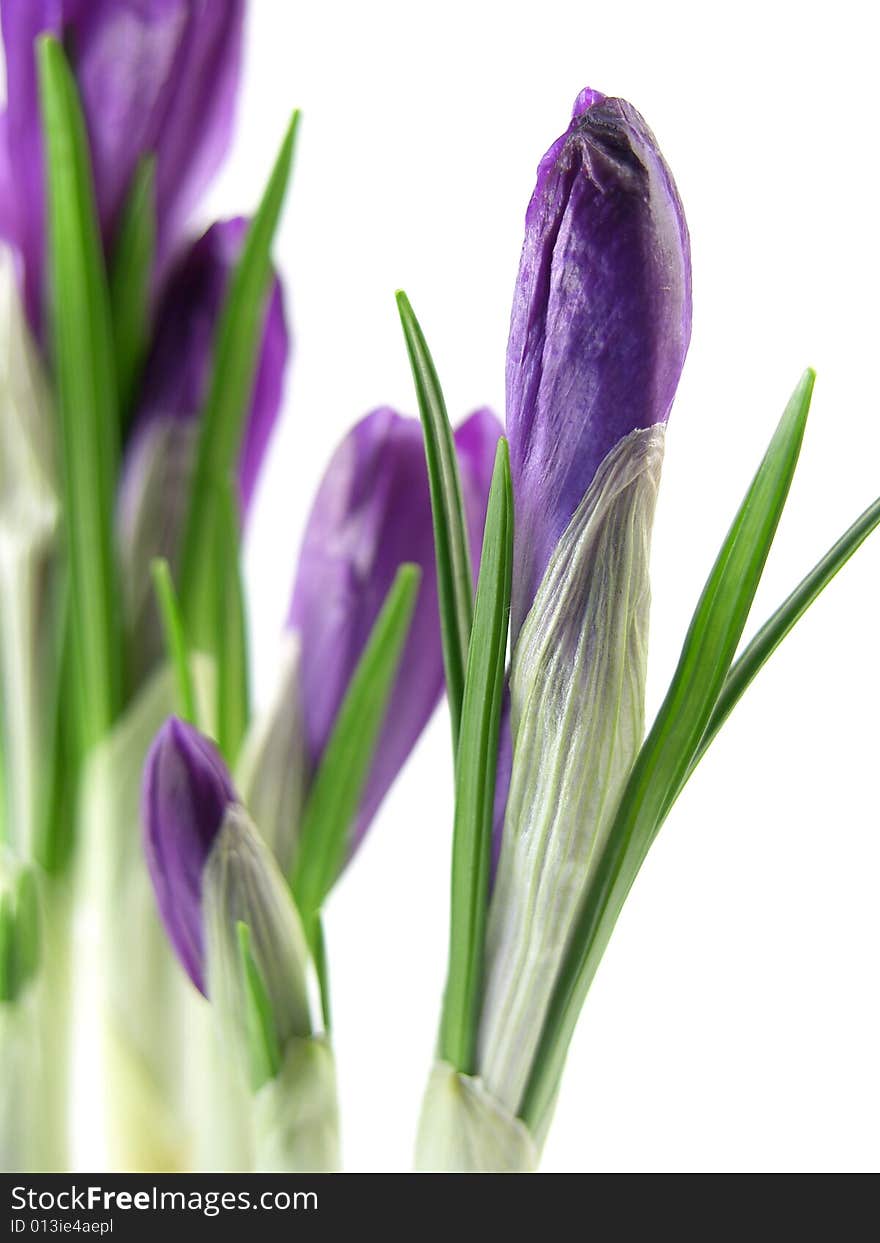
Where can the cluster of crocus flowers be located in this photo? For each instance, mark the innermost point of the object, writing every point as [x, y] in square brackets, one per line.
[111, 313]
[280, 832]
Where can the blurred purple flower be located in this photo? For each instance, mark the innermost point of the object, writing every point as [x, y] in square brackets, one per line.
[156, 473]
[155, 76]
[601, 320]
[187, 792]
[371, 513]
[177, 373]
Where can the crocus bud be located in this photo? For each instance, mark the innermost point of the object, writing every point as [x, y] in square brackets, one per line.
[272, 769]
[156, 475]
[177, 372]
[601, 320]
[230, 915]
[255, 949]
[155, 78]
[600, 327]
[371, 514]
[213, 874]
[187, 793]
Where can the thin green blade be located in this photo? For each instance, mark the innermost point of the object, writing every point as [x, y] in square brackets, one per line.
[235, 357]
[668, 751]
[475, 776]
[454, 576]
[175, 639]
[87, 406]
[264, 1053]
[230, 626]
[756, 654]
[344, 767]
[131, 270]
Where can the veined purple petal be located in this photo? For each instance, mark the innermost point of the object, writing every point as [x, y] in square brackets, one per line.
[601, 319]
[187, 791]
[155, 76]
[372, 512]
[177, 373]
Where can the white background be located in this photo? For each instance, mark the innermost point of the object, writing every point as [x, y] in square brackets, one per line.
[734, 1024]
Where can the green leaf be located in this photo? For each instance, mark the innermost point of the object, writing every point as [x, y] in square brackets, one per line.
[28, 935]
[475, 776]
[322, 968]
[235, 358]
[19, 934]
[8, 973]
[230, 626]
[86, 390]
[131, 271]
[263, 1048]
[669, 750]
[454, 576]
[342, 773]
[756, 654]
[175, 640]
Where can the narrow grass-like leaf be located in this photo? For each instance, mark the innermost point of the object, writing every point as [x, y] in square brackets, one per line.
[454, 576]
[336, 791]
[87, 406]
[230, 627]
[669, 750]
[131, 270]
[28, 950]
[475, 776]
[322, 969]
[759, 650]
[54, 848]
[264, 1053]
[8, 974]
[235, 357]
[175, 639]
[5, 835]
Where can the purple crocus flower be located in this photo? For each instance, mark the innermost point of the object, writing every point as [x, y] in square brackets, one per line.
[600, 328]
[372, 512]
[156, 472]
[187, 793]
[601, 319]
[176, 376]
[155, 76]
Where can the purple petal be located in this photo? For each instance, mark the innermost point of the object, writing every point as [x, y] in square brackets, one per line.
[601, 319]
[372, 513]
[187, 791]
[155, 76]
[177, 373]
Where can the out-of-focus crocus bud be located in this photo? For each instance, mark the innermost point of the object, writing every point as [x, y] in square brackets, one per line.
[372, 513]
[229, 914]
[255, 947]
[600, 327]
[272, 770]
[187, 793]
[156, 78]
[154, 490]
